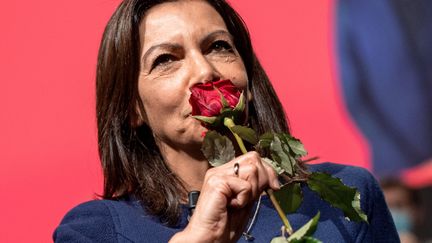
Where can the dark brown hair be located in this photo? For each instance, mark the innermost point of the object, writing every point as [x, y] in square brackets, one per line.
[131, 161]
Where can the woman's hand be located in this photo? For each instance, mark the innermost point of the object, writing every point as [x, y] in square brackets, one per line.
[226, 198]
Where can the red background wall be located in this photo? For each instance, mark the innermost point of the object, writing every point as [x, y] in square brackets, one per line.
[48, 152]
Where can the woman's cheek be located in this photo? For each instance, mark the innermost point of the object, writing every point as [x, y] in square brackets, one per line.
[239, 78]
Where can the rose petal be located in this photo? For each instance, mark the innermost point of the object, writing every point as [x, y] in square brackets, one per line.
[206, 100]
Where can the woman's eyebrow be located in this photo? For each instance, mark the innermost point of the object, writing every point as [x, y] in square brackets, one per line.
[166, 46]
[208, 38]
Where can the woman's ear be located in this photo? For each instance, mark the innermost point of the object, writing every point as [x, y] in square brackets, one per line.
[249, 96]
[140, 117]
[138, 121]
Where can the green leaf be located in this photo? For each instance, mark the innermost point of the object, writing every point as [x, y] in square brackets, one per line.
[338, 195]
[293, 161]
[224, 101]
[217, 149]
[306, 239]
[356, 205]
[206, 119]
[265, 140]
[241, 104]
[274, 165]
[280, 150]
[296, 146]
[279, 239]
[245, 133]
[289, 197]
[306, 230]
[280, 153]
[226, 112]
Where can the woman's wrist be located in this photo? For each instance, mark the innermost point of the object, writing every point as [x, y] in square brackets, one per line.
[192, 236]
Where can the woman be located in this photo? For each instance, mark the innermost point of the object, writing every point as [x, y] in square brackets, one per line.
[151, 54]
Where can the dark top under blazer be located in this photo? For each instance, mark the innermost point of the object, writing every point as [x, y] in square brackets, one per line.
[126, 221]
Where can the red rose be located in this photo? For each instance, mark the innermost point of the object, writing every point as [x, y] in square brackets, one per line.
[206, 98]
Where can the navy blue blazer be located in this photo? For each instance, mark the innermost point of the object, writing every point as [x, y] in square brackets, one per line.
[385, 57]
[126, 221]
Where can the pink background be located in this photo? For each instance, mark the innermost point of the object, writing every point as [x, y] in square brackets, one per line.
[48, 152]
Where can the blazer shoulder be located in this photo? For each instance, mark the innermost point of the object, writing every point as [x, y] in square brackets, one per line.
[355, 177]
[92, 221]
[350, 175]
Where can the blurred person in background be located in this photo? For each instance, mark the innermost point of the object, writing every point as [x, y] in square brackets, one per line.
[385, 61]
[405, 207]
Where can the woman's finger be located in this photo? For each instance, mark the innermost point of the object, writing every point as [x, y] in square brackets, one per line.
[226, 190]
[259, 172]
[250, 172]
[249, 167]
[273, 176]
[242, 192]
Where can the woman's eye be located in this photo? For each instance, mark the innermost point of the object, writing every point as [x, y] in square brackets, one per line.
[220, 46]
[162, 60]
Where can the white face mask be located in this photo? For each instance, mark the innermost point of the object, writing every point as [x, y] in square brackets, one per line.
[402, 219]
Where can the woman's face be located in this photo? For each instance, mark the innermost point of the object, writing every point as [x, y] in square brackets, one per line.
[182, 43]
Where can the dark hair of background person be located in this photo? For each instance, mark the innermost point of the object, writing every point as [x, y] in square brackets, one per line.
[132, 163]
[389, 183]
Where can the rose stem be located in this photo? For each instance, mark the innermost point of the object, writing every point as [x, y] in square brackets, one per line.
[282, 215]
[228, 122]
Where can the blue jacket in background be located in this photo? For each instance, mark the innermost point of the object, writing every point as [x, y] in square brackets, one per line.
[385, 57]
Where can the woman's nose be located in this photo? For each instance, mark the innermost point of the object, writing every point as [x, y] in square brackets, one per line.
[202, 70]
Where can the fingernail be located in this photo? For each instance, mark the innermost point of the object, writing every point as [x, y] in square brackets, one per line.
[276, 183]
